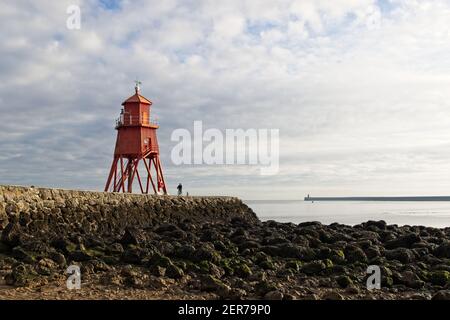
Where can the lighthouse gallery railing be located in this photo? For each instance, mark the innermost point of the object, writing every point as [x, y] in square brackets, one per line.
[129, 120]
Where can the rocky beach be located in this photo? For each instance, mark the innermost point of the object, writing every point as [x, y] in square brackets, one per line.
[189, 258]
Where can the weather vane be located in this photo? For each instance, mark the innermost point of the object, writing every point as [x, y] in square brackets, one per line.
[138, 83]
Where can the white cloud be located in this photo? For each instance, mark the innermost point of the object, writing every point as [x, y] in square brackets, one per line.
[229, 26]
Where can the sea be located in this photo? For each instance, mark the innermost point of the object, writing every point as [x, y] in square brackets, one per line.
[424, 213]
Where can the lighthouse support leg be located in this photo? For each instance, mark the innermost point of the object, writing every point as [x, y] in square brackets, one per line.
[159, 175]
[130, 175]
[149, 175]
[112, 173]
[148, 180]
[136, 170]
[162, 176]
[122, 176]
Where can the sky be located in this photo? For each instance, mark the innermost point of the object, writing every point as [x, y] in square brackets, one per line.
[358, 89]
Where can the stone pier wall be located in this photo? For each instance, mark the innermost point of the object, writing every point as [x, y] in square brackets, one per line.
[43, 211]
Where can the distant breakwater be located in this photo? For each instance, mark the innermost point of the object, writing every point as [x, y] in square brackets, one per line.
[413, 198]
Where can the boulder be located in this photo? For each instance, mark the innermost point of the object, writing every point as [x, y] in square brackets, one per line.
[115, 248]
[355, 254]
[157, 271]
[344, 281]
[274, 295]
[206, 253]
[400, 254]
[373, 252]
[381, 224]
[23, 255]
[243, 270]
[132, 255]
[11, 235]
[441, 295]
[263, 287]
[406, 241]
[58, 258]
[443, 251]
[313, 267]
[133, 236]
[409, 279]
[22, 275]
[440, 277]
[174, 272]
[186, 252]
[332, 295]
[211, 284]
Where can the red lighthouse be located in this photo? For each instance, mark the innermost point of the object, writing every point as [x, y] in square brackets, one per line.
[136, 142]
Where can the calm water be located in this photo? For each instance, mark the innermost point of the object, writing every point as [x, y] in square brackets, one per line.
[433, 214]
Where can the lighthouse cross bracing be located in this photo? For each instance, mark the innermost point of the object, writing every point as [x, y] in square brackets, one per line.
[136, 143]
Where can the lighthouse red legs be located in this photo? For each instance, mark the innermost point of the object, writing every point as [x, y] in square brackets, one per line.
[124, 173]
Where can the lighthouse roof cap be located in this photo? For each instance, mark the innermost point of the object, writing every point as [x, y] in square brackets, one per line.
[137, 98]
